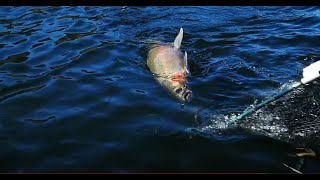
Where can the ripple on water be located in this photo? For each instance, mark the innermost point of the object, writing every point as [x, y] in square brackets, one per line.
[76, 95]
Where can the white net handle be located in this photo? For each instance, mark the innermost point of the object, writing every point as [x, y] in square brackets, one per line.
[311, 72]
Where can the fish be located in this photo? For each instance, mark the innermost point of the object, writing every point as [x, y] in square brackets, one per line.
[169, 67]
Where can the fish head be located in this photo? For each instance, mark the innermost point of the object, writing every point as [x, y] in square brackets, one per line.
[180, 88]
[183, 94]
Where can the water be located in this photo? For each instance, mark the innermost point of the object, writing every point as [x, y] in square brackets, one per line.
[76, 95]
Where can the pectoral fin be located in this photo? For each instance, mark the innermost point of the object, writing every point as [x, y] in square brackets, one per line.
[178, 40]
[185, 65]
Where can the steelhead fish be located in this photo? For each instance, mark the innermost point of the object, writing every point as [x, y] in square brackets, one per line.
[170, 68]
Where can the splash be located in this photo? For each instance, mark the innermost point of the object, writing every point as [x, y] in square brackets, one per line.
[218, 122]
[293, 118]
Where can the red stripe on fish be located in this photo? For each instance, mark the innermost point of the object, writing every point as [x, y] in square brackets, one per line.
[178, 77]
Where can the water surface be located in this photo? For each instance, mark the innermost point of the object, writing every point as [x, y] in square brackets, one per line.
[76, 95]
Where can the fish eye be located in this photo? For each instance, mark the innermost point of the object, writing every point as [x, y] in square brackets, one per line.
[178, 90]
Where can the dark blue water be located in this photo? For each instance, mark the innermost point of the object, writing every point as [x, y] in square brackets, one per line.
[76, 94]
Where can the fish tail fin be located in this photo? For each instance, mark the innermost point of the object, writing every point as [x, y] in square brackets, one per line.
[178, 40]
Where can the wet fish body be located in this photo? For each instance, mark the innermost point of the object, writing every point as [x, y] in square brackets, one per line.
[170, 68]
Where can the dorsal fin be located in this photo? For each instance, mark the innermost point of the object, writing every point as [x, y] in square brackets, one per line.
[185, 65]
[178, 40]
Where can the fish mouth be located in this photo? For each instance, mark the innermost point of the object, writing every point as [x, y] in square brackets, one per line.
[187, 95]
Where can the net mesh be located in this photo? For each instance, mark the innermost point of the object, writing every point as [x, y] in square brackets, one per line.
[294, 118]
